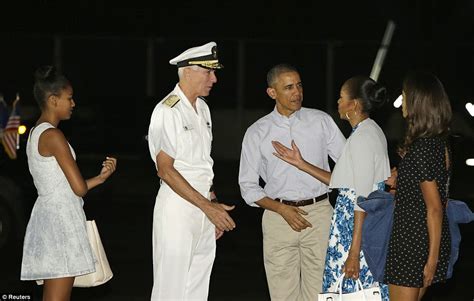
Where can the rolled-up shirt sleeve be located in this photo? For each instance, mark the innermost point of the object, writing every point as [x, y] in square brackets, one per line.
[250, 162]
[163, 132]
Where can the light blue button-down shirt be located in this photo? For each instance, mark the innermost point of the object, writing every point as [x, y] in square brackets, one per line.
[317, 137]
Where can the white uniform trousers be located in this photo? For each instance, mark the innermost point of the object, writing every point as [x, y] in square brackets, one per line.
[184, 248]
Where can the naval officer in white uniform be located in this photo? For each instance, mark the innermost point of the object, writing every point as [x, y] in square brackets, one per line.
[186, 223]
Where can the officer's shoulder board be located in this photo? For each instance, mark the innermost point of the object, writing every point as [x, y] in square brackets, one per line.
[171, 101]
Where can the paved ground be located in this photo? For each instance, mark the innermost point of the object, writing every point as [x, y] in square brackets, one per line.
[123, 208]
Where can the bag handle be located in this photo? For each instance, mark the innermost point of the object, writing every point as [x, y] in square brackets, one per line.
[340, 282]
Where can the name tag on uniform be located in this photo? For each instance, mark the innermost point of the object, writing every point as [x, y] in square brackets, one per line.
[188, 127]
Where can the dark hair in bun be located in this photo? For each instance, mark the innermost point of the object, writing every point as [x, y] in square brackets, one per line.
[369, 93]
[48, 82]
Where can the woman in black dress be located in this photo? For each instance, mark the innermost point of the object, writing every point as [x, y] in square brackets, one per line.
[419, 245]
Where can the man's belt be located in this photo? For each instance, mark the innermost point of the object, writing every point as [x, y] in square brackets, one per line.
[303, 202]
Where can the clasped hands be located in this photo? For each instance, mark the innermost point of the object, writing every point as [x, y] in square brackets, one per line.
[218, 215]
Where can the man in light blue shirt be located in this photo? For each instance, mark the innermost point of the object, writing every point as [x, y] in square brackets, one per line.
[297, 213]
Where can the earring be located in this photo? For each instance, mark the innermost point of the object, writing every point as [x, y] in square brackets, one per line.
[347, 115]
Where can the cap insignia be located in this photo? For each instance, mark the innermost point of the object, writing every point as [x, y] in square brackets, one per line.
[214, 52]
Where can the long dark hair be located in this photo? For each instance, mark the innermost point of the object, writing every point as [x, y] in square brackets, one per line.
[428, 108]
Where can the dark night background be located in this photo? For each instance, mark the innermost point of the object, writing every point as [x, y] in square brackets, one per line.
[116, 55]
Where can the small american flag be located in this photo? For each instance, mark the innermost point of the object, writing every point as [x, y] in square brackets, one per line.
[10, 132]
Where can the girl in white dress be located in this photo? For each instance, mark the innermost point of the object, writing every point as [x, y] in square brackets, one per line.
[56, 248]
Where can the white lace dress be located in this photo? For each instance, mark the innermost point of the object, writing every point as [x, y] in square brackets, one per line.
[56, 243]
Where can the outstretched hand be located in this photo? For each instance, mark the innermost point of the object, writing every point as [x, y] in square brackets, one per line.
[292, 156]
[108, 168]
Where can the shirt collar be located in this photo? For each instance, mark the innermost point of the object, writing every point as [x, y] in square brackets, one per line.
[182, 96]
[279, 117]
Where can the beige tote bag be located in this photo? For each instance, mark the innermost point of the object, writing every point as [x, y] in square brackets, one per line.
[102, 273]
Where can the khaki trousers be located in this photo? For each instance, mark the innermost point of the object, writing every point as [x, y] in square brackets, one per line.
[294, 261]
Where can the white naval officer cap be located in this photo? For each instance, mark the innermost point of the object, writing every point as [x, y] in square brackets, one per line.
[204, 56]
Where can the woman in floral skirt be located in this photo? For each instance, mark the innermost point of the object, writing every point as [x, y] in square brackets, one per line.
[362, 168]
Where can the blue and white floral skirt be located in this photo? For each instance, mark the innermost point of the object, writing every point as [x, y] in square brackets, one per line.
[340, 239]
